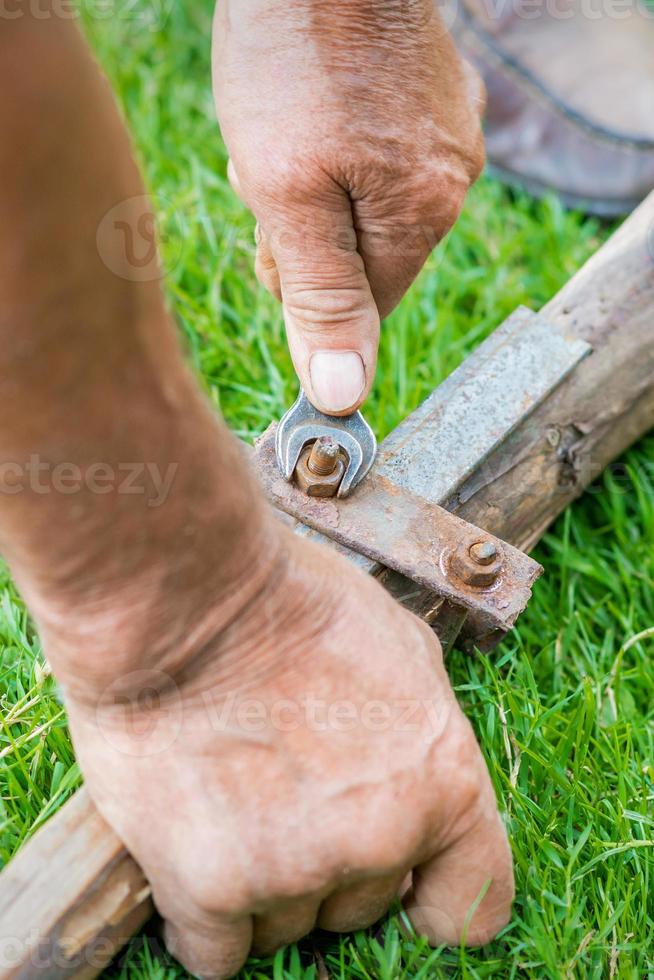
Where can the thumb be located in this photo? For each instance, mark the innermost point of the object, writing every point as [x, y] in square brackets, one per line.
[331, 318]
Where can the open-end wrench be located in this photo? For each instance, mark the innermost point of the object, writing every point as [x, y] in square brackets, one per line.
[303, 424]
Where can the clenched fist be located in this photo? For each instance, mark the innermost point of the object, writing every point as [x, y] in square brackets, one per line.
[354, 133]
[294, 769]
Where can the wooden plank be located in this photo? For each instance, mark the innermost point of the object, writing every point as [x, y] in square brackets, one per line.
[597, 412]
[70, 898]
[73, 886]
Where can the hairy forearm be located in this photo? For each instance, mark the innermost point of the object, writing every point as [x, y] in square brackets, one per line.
[386, 34]
[113, 469]
[360, 14]
[371, 60]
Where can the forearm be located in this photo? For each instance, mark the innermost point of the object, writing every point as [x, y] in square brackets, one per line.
[360, 18]
[364, 46]
[113, 469]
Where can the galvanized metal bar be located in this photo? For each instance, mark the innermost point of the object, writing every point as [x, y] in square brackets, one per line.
[436, 448]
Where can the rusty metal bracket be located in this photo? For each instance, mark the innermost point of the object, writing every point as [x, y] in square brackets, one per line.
[409, 534]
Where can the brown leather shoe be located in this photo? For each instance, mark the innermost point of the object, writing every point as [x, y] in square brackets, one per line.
[570, 95]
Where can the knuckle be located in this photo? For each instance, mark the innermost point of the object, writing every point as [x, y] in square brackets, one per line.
[325, 305]
[448, 186]
[269, 283]
[265, 261]
[470, 798]
[477, 158]
[462, 769]
[327, 238]
[209, 885]
[429, 645]
[294, 185]
[388, 845]
[268, 276]
[476, 89]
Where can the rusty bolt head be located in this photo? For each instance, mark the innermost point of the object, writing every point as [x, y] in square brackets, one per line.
[477, 564]
[313, 458]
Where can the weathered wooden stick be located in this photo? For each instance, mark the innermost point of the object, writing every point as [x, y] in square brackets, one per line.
[72, 897]
[590, 418]
[593, 416]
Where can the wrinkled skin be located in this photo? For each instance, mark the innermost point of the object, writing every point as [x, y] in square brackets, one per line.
[159, 620]
[296, 774]
[354, 134]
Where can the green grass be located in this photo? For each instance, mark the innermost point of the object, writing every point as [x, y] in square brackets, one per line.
[564, 709]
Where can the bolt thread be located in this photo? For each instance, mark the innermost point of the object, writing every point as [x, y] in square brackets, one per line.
[324, 456]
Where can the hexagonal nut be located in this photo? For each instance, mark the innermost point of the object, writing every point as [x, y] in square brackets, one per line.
[471, 572]
[314, 485]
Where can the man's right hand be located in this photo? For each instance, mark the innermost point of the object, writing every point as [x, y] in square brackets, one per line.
[354, 134]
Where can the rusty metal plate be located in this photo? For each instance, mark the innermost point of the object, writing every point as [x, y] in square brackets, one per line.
[405, 532]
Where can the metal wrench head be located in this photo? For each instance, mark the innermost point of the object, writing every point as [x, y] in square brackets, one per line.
[303, 424]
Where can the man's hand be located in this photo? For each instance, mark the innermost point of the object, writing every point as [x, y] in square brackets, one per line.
[354, 134]
[272, 736]
[294, 769]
